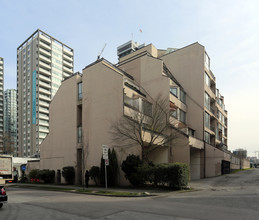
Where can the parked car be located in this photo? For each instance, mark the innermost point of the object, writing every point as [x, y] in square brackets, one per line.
[3, 196]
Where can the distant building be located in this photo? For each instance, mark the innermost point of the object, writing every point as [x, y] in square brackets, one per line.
[42, 63]
[10, 121]
[1, 105]
[240, 152]
[253, 160]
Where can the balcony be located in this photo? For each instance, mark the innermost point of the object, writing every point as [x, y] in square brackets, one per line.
[44, 91]
[44, 123]
[45, 52]
[44, 65]
[69, 65]
[43, 129]
[44, 38]
[67, 70]
[45, 46]
[43, 110]
[66, 51]
[44, 104]
[44, 78]
[45, 85]
[210, 128]
[44, 117]
[67, 58]
[65, 75]
[44, 97]
[43, 71]
[42, 136]
[45, 59]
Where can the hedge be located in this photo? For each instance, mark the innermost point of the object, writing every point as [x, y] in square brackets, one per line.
[173, 175]
[46, 176]
[69, 174]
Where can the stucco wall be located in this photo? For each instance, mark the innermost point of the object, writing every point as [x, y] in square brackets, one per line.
[31, 165]
[102, 105]
[59, 147]
[187, 65]
[245, 164]
[214, 159]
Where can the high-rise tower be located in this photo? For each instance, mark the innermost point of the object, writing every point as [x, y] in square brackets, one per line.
[10, 121]
[42, 63]
[1, 105]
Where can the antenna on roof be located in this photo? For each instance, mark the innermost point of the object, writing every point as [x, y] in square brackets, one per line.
[99, 55]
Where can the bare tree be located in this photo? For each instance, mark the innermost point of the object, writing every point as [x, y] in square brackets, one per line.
[147, 127]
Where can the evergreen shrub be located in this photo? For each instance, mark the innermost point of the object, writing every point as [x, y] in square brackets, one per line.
[69, 174]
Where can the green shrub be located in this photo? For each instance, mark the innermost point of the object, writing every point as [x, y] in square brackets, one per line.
[95, 173]
[178, 175]
[34, 174]
[130, 168]
[69, 174]
[113, 167]
[47, 176]
[174, 175]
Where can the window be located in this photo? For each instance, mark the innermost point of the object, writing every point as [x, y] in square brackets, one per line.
[191, 132]
[174, 91]
[131, 102]
[79, 134]
[79, 85]
[174, 113]
[207, 61]
[207, 120]
[207, 101]
[55, 85]
[207, 79]
[182, 116]
[207, 137]
[147, 108]
[182, 96]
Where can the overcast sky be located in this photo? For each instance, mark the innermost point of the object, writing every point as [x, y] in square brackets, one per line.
[229, 30]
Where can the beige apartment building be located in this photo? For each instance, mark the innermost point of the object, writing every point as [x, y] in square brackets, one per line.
[206, 117]
[42, 63]
[88, 104]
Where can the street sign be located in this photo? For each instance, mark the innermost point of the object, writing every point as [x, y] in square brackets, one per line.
[23, 167]
[105, 152]
[106, 160]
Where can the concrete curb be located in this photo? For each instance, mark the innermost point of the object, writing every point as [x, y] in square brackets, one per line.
[75, 190]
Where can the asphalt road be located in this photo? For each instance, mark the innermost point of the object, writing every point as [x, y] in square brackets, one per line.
[234, 196]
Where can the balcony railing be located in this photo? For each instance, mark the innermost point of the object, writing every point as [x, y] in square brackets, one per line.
[44, 65]
[45, 85]
[43, 71]
[67, 52]
[68, 58]
[211, 127]
[45, 52]
[44, 78]
[44, 45]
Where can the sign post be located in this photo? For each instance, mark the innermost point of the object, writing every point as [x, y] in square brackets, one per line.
[106, 160]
